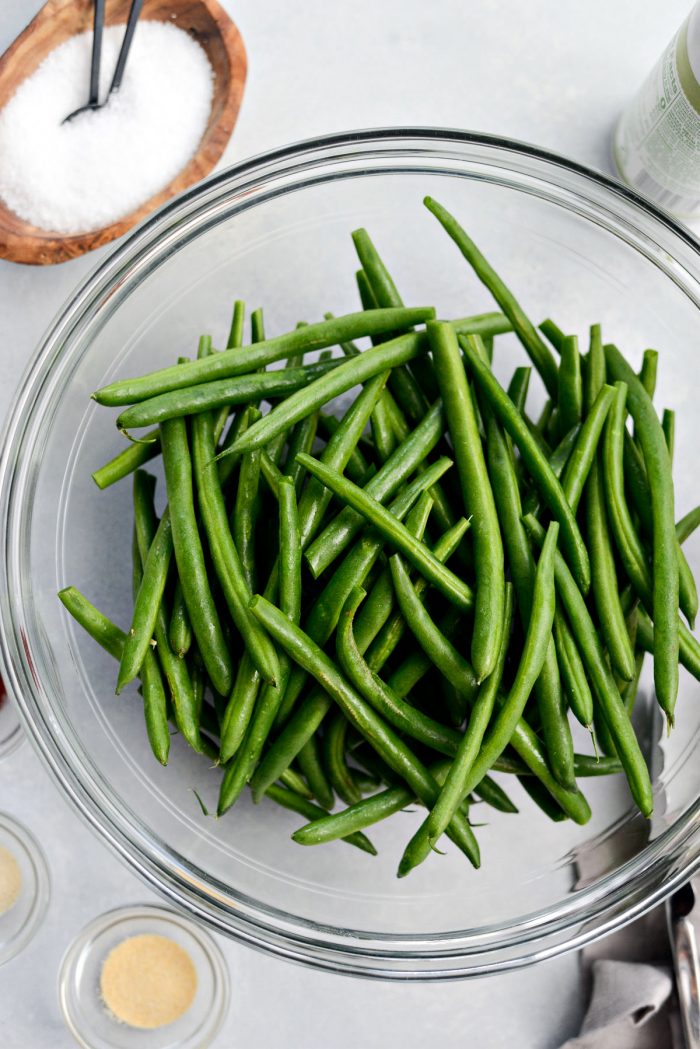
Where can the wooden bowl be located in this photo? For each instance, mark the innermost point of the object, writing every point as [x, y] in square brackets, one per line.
[58, 20]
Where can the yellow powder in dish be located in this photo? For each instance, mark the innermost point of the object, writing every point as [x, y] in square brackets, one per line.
[10, 880]
[148, 981]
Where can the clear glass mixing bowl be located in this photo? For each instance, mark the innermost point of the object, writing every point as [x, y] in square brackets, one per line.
[275, 231]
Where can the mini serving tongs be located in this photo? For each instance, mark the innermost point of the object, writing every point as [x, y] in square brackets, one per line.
[683, 913]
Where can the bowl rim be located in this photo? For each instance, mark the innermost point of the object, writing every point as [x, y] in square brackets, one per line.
[595, 910]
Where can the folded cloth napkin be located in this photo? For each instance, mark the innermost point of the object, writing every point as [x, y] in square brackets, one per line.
[626, 1010]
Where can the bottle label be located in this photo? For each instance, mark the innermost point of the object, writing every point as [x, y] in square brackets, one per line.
[657, 143]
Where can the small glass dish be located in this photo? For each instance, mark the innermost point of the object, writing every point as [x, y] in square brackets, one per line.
[84, 1011]
[12, 734]
[20, 921]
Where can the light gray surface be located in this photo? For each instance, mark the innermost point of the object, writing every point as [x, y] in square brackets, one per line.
[553, 74]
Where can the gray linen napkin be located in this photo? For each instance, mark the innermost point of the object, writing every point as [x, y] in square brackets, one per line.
[631, 1004]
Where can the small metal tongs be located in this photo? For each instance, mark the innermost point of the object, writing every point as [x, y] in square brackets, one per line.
[683, 914]
[97, 28]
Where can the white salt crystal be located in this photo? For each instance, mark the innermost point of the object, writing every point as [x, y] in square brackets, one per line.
[80, 176]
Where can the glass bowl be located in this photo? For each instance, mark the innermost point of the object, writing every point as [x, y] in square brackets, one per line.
[276, 231]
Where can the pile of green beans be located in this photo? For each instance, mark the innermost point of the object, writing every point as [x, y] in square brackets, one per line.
[389, 604]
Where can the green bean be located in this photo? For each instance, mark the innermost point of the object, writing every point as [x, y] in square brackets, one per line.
[378, 607]
[334, 760]
[357, 466]
[295, 782]
[259, 723]
[257, 330]
[179, 630]
[573, 674]
[401, 715]
[494, 796]
[518, 387]
[453, 792]
[531, 662]
[601, 678]
[384, 740]
[231, 362]
[391, 633]
[190, 556]
[112, 639]
[397, 419]
[235, 334]
[174, 669]
[453, 588]
[442, 652]
[325, 612]
[380, 288]
[557, 461]
[337, 536]
[223, 393]
[687, 525]
[543, 800]
[603, 572]
[689, 649]
[648, 372]
[553, 333]
[664, 547]
[548, 689]
[128, 460]
[244, 517]
[198, 677]
[570, 392]
[288, 799]
[343, 377]
[668, 425]
[541, 472]
[579, 463]
[301, 440]
[536, 349]
[228, 564]
[362, 814]
[382, 432]
[638, 486]
[311, 765]
[477, 497]
[148, 600]
[632, 553]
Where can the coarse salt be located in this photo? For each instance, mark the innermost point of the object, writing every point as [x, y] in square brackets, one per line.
[103, 164]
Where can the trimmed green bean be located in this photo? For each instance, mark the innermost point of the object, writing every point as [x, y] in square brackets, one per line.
[570, 388]
[535, 348]
[180, 629]
[583, 453]
[550, 488]
[519, 386]
[384, 740]
[450, 585]
[112, 639]
[573, 674]
[148, 599]
[688, 524]
[311, 766]
[665, 580]
[477, 497]
[648, 372]
[338, 535]
[223, 393]
[288, 799]
[340, 777]
[189, 555]
[601, 678]
[453, 792]
[229, 566]
[128, 460]
[230, 363]
[174, 669]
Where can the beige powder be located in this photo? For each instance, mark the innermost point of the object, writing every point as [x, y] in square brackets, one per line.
[10, 880]
[148, 981]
